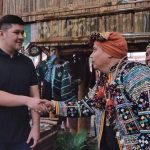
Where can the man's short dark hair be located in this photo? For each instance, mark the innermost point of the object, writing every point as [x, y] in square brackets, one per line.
[7, 20]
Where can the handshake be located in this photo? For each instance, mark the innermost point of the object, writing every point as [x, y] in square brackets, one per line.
[40, 105]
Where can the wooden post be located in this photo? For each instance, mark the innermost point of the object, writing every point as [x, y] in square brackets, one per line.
[83, 123]
[1, 7]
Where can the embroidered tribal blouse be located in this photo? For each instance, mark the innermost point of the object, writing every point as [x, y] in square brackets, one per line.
[128, 105]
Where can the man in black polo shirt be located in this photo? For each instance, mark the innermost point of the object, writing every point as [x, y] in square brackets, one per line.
[18, 89]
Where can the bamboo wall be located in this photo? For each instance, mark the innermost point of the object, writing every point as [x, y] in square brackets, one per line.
[82, 27]
[26, 6]
[34, 7]
[73, 20]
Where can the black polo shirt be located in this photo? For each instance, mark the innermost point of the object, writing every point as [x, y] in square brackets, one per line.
[17, 74]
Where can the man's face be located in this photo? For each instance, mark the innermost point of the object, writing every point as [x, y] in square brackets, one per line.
[100, 59]
[13, 37]
[148, 57]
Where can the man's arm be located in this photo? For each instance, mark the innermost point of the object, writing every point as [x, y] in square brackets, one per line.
[35, 129]
[34, 92]
[11, 100]
[34, 102]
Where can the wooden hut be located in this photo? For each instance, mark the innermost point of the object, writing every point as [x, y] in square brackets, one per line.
[66, 24]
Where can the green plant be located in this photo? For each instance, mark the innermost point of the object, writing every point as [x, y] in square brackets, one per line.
[75, 141]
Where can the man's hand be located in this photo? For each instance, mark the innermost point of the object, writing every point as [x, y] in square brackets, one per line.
[39, 105]
[44, 106]
[34, 136]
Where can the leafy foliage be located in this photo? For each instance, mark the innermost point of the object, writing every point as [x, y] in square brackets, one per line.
[75, 141]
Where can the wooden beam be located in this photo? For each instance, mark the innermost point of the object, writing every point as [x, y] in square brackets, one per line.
[60, 41]
[90, 11]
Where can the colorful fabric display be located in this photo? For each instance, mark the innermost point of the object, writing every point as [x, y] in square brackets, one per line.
[41, 70]
[67, 86]
[62, 84]
[56, 80]
[50, 64]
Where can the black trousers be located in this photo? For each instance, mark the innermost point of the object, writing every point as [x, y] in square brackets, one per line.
[109, 141]
[15, 146]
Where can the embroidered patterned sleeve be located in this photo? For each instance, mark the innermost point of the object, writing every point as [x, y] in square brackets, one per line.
[94, 99]
[84, 107]
[137, 93]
